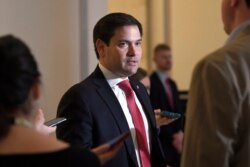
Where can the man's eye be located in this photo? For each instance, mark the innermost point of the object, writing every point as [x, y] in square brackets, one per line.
[123, 44]
[138, 43]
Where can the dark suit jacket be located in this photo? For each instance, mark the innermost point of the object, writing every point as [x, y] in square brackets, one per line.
[159, 100]
[95, 116]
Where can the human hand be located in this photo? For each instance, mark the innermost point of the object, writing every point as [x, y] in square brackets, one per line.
[39, 123]
[105, 152]
[178, 141]
[161, 120]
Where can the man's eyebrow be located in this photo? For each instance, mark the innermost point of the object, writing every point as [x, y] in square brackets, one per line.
[139, 40]
[125, 40]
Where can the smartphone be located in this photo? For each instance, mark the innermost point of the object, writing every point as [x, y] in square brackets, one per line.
[172, 115]
[118, 139]
[55, 121]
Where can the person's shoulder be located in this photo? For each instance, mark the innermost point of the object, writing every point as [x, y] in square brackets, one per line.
[221, 56]
[218, 60]
[46, 143]
[153, 74]
[171, 80]
[82, 86]
[96, 74]
[34, 141]
[135, 82]
[212, 57]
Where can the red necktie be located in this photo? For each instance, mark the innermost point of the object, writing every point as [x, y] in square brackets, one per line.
[138, 123]
[169, 94]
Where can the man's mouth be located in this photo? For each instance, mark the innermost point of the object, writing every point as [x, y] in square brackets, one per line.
[132, 62]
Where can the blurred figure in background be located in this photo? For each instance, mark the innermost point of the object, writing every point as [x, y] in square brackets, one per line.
[164, 96]
[142, 76]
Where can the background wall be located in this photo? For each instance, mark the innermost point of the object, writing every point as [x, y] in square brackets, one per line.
[192, 28]
[59, 33]
[89, 16]
[196, 29]
[51, 29]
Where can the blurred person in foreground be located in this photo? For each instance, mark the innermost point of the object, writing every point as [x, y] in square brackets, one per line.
[217, 132]
[22, 139]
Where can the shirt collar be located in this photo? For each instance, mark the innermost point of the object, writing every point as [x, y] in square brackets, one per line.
[111, 78]
[236, 31]
[162, 75]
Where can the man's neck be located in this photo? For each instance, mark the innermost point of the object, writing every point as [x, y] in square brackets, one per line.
[241, 15]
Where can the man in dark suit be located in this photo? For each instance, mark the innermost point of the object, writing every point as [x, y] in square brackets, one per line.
[164, 95]
[98, 108]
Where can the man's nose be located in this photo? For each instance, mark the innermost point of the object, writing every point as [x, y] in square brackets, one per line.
[132, 50]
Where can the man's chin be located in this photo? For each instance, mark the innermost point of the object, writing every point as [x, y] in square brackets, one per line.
[132, 71]
[128, 73]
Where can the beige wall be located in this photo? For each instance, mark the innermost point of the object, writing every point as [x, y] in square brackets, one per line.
[193, 29]
[158, 30]
[196, 30]
[51, 29]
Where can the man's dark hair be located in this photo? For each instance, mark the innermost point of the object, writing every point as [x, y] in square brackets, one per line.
[139, 75]
[106, 26]
[161, 47]
[18, 72]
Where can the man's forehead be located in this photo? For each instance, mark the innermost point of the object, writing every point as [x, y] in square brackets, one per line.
[127, 34]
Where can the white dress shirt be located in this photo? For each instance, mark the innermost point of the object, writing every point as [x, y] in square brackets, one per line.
[113, 80]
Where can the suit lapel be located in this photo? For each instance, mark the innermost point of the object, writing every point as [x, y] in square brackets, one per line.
[109, 98]
[144, 99]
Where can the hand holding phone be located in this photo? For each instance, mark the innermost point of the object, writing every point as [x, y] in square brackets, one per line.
[171, 115]
[108, 150]
[55, 121]
[112, 143]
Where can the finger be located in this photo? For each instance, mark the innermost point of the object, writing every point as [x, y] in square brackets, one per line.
[46, 129]
[157, 111]
[110, 153]
[101, 149]
[39, 116]
[51, 130]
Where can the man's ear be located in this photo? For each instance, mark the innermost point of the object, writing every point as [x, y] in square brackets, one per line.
[100, 45]
[36, 90]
